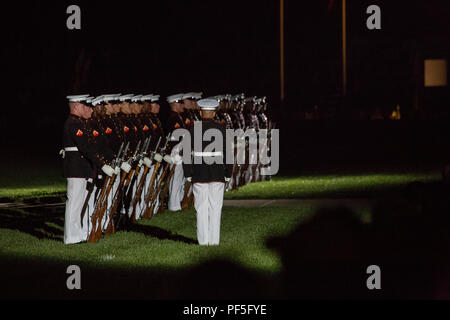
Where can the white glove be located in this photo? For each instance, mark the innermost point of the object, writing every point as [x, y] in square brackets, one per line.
[227, 179]
[168, 159]
[158, 157]
[140, 163]
[189, 179]
[177, 159]
[107, 169]
[125, 167]
[147, 162]
[62, 152]
[117, 170]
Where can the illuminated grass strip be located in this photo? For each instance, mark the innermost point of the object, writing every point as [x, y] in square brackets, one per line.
[333, 186]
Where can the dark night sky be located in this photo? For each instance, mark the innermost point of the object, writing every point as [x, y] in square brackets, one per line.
[216, 47]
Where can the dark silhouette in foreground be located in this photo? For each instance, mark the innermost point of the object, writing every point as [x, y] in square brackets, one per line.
[408, 239]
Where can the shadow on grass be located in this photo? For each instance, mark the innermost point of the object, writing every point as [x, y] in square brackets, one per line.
[41, 223]
[324, 258]
[159, 233]
[26, 278]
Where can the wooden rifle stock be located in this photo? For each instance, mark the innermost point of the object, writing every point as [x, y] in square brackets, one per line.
[116, 200]
[128, 178]
[165, 191]
[128, 187]
[98, 233]
[96, 213]
[151, 189]
[137, 196]
[185, 202]
[149, 211]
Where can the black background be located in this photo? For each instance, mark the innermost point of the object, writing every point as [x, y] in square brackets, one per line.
[217, 47]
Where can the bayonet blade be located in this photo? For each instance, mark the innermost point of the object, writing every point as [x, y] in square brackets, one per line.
[137, 149]
[119, 154]
[126, 150]
[147, 145]
[157, 145]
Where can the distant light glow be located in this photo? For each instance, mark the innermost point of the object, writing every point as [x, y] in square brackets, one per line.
[435, 72]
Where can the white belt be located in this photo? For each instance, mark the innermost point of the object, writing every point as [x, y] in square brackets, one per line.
[207, 154]
[62, 152]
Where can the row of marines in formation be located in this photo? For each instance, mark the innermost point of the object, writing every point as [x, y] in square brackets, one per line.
[120, 149]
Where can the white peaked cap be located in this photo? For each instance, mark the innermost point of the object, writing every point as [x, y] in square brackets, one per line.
[208, 104]
[125, 97]
[198, 95]
[89, 99]
[136, 98]
[77, 98]
[175, 97]
[146, 97]
[109, 97]
[155, 98]
[97, 100]
[189, 95]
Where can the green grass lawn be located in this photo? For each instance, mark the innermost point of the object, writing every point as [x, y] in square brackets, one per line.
[331, 186]
[157, 251]
[166, 241]
[47, 182]
[22, 183]
[157, 258]
[32, 248]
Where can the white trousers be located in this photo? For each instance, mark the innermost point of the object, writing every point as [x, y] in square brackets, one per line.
[140, 206]
[249, 174]
[147, 188]
[208, 201]
[110, 200]
[155, 184]
[176, 189]
[77, 191]
[132, 191]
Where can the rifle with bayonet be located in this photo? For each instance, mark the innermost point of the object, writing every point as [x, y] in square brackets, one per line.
[102, 202]
[153, 192]
[112, 180]
[137, 194]
[141, 184]
[117, 194]
[186, 197]
[165, 191]
[128, 185]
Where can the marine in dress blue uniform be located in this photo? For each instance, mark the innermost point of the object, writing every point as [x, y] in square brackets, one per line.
[208, 177]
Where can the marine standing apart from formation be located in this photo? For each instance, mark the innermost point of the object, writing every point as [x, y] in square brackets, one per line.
[208, 173]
